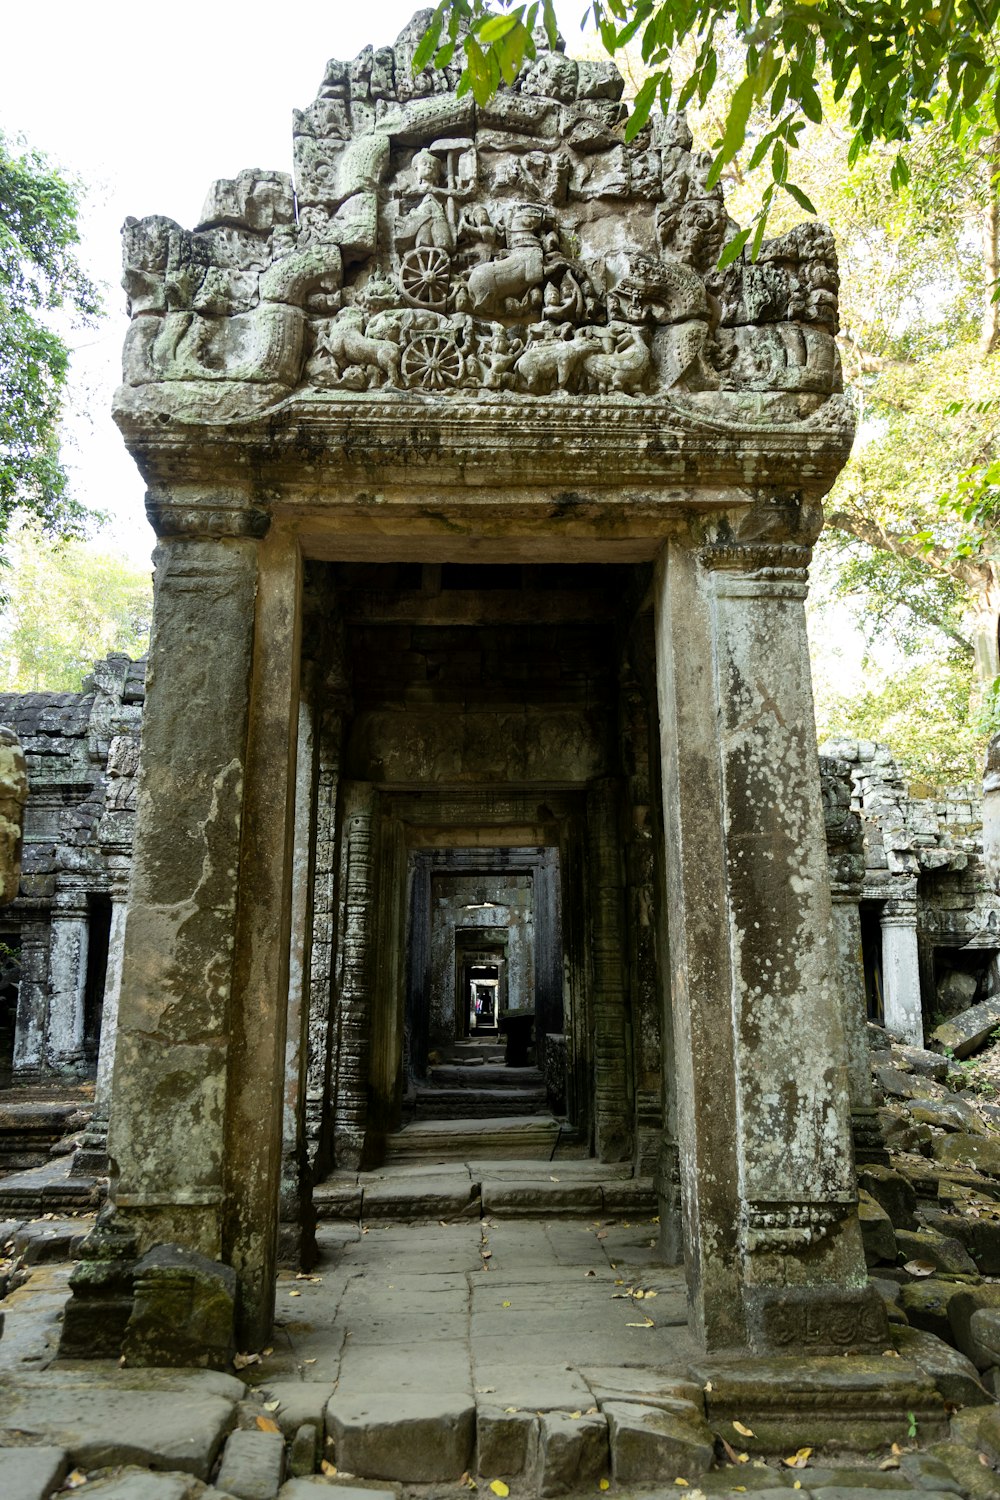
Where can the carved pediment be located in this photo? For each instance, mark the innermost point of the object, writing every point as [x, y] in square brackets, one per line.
[431, 250]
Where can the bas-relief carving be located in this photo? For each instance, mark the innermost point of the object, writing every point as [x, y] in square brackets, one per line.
[432, 248]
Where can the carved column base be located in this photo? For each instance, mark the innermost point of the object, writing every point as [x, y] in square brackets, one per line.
[101, 1286]
[819, 1320]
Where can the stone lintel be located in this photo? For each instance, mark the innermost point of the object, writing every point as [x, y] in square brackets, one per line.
[552, 441]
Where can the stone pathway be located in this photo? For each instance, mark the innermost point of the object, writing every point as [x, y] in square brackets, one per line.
[517, 1351]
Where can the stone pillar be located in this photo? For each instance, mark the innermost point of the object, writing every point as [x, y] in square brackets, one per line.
[32, 993]
[296, 1180]
[172, 1057]
[903, 1015]
[846, 857]
[354, 960]
[612, 1060]
[91, 1158]
[67, 981]
[256, 1072]
[772, 1241]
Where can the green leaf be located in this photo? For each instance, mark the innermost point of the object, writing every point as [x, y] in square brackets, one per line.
[641, 108]
[799, 196]
[735, 129]
[498, 26]
[733, 249]
[428, 43]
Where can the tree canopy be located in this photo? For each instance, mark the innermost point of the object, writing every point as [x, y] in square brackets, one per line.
[895, 64]
[68, 604]
[43, 290]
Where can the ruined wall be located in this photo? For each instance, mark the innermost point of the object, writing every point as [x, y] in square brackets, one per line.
[82, 754]
[924, 884]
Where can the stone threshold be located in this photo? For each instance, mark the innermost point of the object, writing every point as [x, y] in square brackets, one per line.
[514, 1189]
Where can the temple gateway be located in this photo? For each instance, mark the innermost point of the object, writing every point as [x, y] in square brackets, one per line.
[478, 709]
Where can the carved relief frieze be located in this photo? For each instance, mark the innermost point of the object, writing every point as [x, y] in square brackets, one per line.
[429, 249]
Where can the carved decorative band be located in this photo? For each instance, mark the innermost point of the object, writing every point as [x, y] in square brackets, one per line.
[197, 522]
[788, 1227]
[781, 561]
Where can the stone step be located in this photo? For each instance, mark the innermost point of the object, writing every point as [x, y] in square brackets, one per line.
[473, 1053]
[476, 1103]
[515, 1138]
[47, 1189]
[485, 1075]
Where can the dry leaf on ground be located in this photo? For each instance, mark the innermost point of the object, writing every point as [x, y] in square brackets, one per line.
[267, 1425]
[739, 1427]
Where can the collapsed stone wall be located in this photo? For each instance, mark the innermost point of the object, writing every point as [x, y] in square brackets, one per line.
[82, 753]
[930, 912]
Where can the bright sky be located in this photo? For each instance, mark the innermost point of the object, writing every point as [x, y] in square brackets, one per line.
[147, 106]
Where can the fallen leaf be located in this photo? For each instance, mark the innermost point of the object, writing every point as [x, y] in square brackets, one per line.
[509, 1410]
[604, 1484]
[591, 1411]
[499, 1488]
[295, 1294]
[798, 1460]
[743, 1458]
[326, 1467]
[708, 1387]
[240, 1361]
[576, 1415]
[797, 1485]
[920, 1267]
[272, 1405]
[889, 1463]
[730, 1451]
[590, 1273]
[602, 1234]
[682, 1482]
[983, 1460]
[553, 1179]
[266, 1352]
[652, 1294]
[309, 1361]
[267, 1425]
[646, 1323]
[505, 1304]
[890, 1353]
[486, 1254]
[74, 1480]
[485, 1390]
[639, 1295]
[896, 1450]
[742, 1430]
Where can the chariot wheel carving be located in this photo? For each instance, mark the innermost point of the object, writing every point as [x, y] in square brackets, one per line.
[433, 362]
[425, 277]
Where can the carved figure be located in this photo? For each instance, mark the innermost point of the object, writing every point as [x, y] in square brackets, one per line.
[625, 367]
[552, 360]
[440, 247]
[344, 343]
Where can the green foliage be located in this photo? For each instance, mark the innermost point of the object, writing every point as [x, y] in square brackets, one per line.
[41, 285]
[895, 64]
[924, 711]
[68, 605]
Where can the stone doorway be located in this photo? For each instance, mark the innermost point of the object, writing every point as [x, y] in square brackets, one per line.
[482, 733]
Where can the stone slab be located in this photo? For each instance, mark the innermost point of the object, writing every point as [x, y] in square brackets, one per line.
[505, 1441]
[649, 1444]
[857, 1401]
[174, 1420]
[253, 1465]
[311, 1489]
[31, 1473]
[533, 1388]
[954, 1375]
[446, 1196]
[650, 1387]
[299, 1401]
[965, 1033]
[140, 1484]
[541, 1198]
[572, 1453]
[418, 1436]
